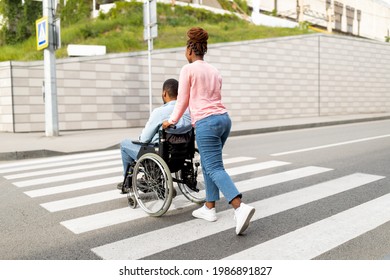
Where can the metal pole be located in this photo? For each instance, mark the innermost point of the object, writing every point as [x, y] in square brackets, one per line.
[93, 8]
[51, 111]
[150, 47]
[300, 10]
[329, 15]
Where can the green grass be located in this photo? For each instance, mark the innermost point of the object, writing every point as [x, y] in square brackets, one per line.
[122, 31]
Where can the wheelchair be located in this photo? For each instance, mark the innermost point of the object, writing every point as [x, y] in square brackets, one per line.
[149, 181]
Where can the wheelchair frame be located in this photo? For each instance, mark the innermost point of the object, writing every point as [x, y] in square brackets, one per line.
[150, 182]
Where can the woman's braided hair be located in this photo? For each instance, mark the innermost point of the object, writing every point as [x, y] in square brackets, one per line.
[197, 40]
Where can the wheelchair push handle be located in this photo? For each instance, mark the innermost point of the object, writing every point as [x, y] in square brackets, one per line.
[165, 125]
[162, 131]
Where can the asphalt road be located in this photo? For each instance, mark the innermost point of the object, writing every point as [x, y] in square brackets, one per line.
[320, 193]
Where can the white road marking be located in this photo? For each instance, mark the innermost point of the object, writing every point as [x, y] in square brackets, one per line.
[45, 180]
[237, 159]
[79, 201]
[255, 167]
[134, 247]
[32, 166]
[75, 186]
[331, 145]
[63, 170]
[315, 239]
[97, 221]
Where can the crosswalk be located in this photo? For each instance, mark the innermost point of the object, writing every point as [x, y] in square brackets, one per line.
[73, 182]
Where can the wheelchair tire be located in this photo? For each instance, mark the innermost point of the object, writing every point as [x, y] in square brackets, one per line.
[190, 194]
[152, 184]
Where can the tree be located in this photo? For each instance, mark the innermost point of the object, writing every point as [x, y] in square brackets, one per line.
[19, 20]
[74, 11]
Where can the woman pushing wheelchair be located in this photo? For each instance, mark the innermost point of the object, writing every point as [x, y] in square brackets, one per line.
[199, 89]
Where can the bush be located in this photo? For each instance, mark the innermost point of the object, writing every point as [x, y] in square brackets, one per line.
[19, 20]
[228, 5]
[132, 11]
[121, 30]
[74, 11]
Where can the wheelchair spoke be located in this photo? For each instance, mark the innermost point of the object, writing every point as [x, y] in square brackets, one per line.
[152, 184]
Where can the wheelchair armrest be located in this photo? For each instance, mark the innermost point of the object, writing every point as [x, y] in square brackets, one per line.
[140, 143]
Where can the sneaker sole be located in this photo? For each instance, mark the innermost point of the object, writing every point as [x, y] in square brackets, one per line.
[205, 218]
[246, 223]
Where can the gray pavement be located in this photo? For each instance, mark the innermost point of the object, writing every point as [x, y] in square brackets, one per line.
[15, 146]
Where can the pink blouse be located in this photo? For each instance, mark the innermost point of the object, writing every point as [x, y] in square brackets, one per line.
[199, 89]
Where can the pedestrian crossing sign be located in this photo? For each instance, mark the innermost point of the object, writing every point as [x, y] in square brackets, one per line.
[42, 28]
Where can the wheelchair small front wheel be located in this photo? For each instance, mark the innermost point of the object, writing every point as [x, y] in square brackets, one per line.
[152, 184]
[131, 200]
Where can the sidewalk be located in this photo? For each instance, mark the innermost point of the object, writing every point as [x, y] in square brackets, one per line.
[16, 146]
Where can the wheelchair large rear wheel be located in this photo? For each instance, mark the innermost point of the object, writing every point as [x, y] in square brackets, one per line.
[152, 184]
[195, 194]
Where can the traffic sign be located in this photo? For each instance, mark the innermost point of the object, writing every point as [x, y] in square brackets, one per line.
[42, 28]
[150, 19]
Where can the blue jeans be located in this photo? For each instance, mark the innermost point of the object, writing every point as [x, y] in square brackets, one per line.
[211, 135]
[129, 152]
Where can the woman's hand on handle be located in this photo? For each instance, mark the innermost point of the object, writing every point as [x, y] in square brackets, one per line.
[165, 124]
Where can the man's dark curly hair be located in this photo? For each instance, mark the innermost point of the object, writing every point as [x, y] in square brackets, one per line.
[171, 86]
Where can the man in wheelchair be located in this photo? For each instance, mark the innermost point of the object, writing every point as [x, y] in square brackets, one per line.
[150, 134]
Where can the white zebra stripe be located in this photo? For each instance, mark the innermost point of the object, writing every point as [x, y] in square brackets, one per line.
[235, 171]
[93, 222]
[63, 170]
[315, 239]
[75, 186]
[331, 145]
[33, 166]
[196, 229]
[237, 159]
[94, 165]
[46, 180]
[255, 167]
[79, 201]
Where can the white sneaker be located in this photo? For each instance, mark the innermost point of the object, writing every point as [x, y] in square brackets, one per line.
[243, 215]
[205, 213]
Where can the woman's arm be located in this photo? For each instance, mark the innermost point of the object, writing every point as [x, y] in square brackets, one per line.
[183, 96]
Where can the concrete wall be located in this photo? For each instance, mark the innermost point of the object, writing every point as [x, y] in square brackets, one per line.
[354, 76]
[278, 78]
[6, 107]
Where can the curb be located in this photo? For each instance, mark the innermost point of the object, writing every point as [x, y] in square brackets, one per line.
[8, 156]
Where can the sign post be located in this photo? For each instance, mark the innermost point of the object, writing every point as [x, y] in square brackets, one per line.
[150, 32]
[47, 41]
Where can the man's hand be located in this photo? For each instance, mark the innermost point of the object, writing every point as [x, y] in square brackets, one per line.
[165, 124]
